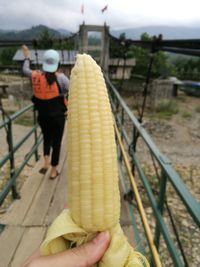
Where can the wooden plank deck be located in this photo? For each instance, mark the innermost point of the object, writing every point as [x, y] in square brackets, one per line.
[27, 220]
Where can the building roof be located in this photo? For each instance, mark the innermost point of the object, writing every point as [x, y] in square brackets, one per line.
[67, 57]
[193, 84]
[174, 80]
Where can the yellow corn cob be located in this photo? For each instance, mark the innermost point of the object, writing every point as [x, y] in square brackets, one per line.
[92, 164]
[93, 192]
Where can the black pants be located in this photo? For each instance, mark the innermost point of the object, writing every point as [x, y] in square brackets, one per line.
[52, 129]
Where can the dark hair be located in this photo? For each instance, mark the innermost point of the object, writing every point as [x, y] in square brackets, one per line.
[50, 77]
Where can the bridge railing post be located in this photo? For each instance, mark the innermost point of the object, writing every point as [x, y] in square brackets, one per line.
[12, 158]
[35, 133]
[121, 135]
[12, 148]
[160, 206]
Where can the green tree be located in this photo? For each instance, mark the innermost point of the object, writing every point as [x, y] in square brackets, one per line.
[66, 44]
[195, 74]
[145, 37]
[188, 68]
[160, 66]
[45, 40]
[117, 47]
[6, 55]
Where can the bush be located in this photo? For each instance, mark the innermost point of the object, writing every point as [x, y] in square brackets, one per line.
[197, 109]
[167, 106]
[164, 109]
[186, 115]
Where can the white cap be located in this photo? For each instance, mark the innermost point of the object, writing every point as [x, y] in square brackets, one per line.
[50, 60]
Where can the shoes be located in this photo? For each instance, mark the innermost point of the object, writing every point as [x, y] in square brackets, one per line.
[54, 177]
[43, 170]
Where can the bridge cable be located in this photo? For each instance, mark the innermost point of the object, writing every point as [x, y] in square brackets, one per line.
[35, 45]
[62, 61]
[125, 48]
[133, 145]
[155, 47]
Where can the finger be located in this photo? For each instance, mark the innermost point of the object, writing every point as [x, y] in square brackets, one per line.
[34, 256]
[92, 252]
[85, 256]
[24, 47]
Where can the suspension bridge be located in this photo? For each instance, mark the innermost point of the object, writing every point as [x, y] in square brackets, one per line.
[24, 225]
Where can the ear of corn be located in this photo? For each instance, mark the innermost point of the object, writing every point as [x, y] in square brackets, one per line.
[92, 164]
[93, 192]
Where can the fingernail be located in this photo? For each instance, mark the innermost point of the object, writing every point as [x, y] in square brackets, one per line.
[102, 237]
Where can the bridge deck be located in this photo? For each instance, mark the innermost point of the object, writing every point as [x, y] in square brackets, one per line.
[27, 220]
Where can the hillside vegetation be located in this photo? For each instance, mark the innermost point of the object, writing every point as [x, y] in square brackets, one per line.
[30, 34]
[132, 33]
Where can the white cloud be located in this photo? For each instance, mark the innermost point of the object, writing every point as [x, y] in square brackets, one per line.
[120, 14]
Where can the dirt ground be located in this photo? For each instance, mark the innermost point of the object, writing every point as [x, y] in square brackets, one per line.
[179, 136]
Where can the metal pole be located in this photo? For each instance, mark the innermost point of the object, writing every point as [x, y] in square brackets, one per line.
[12, 159]
[161, 202]
[35, 133]
[147, 85]
[154, 48]
[35, 44]
[121, 125]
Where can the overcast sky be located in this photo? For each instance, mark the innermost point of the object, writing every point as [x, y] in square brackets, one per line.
[66, 14]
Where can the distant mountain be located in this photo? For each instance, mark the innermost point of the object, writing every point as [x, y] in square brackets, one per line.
[30, 34]
[132, 33]
[167, 32]
[64, 32]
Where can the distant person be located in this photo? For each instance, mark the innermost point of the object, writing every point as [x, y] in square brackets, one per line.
[49, 89]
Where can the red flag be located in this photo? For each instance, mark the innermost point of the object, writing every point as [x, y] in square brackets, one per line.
[82, 9]
[104, 8]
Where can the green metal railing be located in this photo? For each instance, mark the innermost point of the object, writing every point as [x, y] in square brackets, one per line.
[14, 172]
[167, 174]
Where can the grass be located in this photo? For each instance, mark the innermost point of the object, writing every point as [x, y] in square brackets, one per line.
[197, 109]
[165, 109]
[25, 120]
[166, 105]
[186, 114]
[160, 115]
[182, 98]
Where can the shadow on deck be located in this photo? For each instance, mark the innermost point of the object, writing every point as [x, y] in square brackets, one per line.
[27, 220]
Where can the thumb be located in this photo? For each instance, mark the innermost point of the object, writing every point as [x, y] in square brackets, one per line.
[91, 252]
[83, 256]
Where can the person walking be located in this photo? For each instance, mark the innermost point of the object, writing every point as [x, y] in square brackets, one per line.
[49, 90]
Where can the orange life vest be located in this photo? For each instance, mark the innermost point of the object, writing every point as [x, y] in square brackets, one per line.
[41, 88]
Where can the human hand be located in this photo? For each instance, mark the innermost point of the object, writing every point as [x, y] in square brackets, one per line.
[83, 256]
[25, 51]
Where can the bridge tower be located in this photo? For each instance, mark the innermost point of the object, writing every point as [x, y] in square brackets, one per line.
[94, 40]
